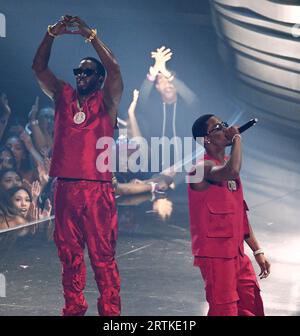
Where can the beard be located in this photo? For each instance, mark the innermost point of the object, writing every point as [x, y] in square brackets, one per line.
[85, 90]
[88, 87]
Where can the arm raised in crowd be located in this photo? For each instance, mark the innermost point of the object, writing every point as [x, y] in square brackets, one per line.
[134, 126]
[37, 134]
[5, 112]
[25, 137]
[161, 57]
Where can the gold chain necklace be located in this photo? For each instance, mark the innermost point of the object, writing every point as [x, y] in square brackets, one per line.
[80, 116]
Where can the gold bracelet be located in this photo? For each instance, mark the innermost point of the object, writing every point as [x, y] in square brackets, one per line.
[92, 36]
[50, 32]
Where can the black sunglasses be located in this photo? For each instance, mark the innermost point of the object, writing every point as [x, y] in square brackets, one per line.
[218, 127]
[85, 72]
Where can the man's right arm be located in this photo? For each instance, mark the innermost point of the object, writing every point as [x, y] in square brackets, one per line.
[230, 170]
[46, 79]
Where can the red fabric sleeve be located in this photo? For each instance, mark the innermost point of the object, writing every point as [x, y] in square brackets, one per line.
[246, 221]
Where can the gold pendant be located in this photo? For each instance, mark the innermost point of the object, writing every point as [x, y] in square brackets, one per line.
[79, 117]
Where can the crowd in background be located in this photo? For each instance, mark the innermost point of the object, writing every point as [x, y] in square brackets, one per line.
[25, 151]
[26, 190]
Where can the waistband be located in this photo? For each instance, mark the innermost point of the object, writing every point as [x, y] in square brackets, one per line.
[66, 179]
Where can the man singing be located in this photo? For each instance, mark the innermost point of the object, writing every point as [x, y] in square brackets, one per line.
[219, 224]
[85, 211]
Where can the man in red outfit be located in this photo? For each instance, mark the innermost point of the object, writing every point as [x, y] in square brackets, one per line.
[219, 224]
[85, 211]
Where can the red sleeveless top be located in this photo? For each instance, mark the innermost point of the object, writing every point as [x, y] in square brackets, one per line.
[218, 219]
[74, 146]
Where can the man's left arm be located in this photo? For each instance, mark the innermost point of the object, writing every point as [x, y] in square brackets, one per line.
[113, 86]
[185, 92]
[258, 254]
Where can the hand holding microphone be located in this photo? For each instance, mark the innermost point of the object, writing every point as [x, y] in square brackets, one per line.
[235, 132]
[249, 124]
[232, 132]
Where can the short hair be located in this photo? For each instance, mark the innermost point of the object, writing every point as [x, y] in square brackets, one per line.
[100, 68]
[199, 128]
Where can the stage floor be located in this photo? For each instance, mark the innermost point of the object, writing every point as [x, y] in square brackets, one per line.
[154, 254]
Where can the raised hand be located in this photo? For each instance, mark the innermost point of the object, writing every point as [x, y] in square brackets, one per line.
[133, 126]
[34, 110]
[47, 164]
[75, 25]
[46, 212]
[25, 137]
[26, 184]
[35, 191]
[230, 132]
[33, 213]
[4, 106]
[59, 28]
[43, 171]
[161, 56]
[136, 94]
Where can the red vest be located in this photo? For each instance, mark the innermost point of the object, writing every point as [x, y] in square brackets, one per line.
[74, 146]
[218, 219]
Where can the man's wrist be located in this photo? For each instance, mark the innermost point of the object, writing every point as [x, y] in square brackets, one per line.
[257, 252]
[86, 32]
[153, 186]
[90, 35]
[152, 73]
[50, 32]
[150, 77]
[236, 136]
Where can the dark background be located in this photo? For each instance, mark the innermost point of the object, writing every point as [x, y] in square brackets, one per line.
[132, 29]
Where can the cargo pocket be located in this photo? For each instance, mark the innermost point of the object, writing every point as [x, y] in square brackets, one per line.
[221, 216]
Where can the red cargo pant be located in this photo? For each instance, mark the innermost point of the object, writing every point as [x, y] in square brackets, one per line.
[85, 214]
[231, 286]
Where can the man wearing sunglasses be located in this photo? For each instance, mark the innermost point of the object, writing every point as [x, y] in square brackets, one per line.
[85, 211]
[219, 224]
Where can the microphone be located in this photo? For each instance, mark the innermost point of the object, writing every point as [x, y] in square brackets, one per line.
[249, 124]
